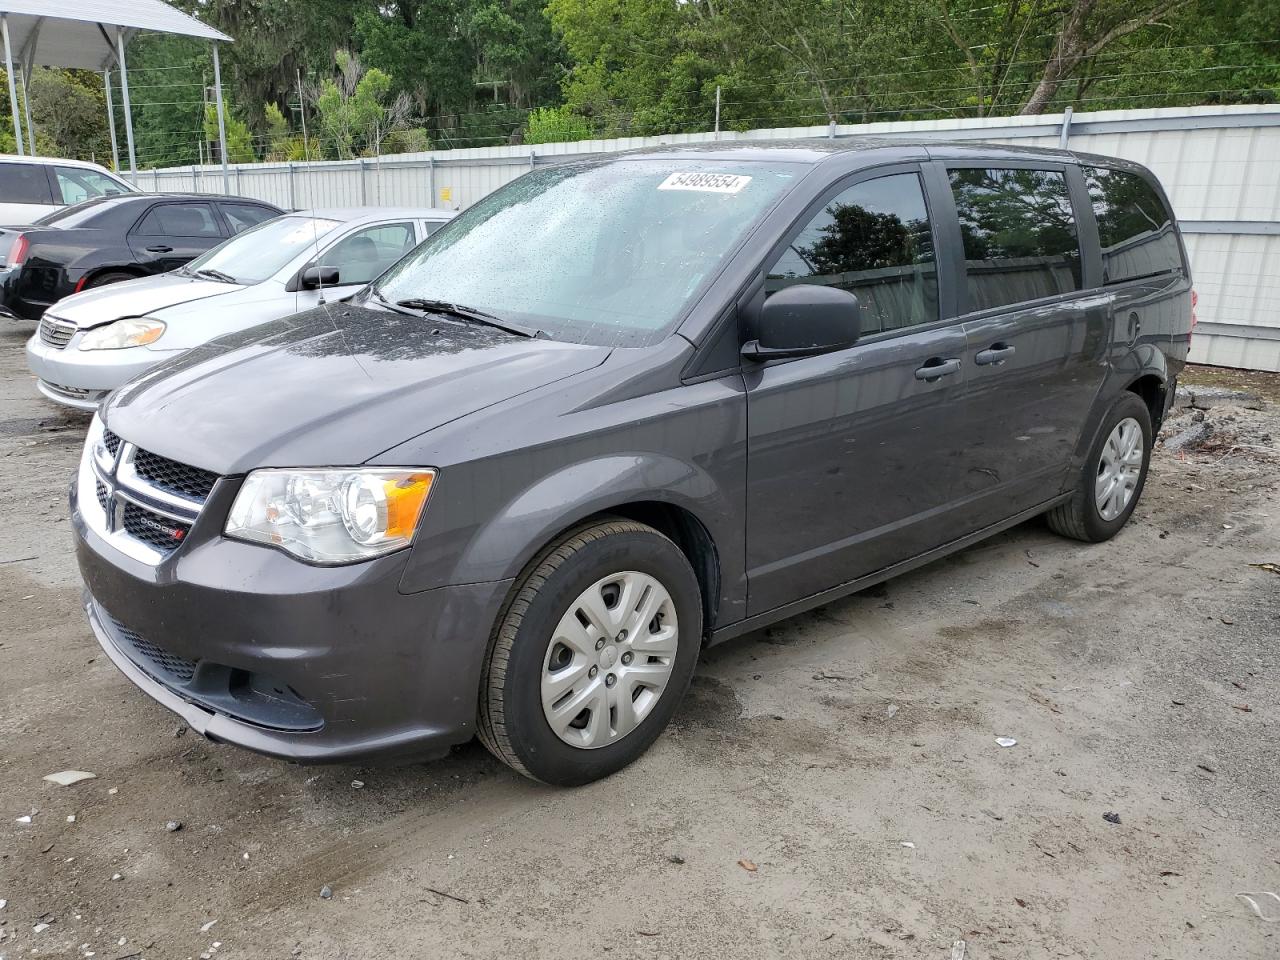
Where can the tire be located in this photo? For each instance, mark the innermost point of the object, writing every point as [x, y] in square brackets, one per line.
[544, 638]
[1081, 517]
[111, 276]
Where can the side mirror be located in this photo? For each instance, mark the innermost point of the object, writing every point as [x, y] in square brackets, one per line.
[804, 320]
[321, 276]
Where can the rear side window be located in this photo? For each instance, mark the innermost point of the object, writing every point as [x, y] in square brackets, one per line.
[242, 216]
[1135, 228]
[1019, 235]
[179, 220]
[873, 240]
[24, 183]
[365, 254]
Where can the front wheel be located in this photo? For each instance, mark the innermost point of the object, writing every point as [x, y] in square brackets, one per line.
[592, 654]
[1113, 476]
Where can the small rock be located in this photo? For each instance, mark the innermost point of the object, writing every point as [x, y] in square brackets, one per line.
[206, 927]
[891, 711]
[1006, 742]
[117, 876]
[24, 819]
[1111, 817]
[747, 865]
[173, 826]
[326, 892]
[40, 927]
[112, 791]
[357, 784]
[675, 858]
[65, 778]
[908, 844]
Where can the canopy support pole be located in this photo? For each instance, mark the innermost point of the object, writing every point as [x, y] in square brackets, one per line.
[128, 115]
[111, 121]
[26, 105]
[222, 123]
[13, 87]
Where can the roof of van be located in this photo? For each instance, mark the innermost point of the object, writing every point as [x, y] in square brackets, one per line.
[15, 158]
[817, 150]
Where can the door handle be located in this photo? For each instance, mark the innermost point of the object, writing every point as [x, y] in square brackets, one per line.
[935, 368]
[1135, 327]
[160, 249]
[997, 353]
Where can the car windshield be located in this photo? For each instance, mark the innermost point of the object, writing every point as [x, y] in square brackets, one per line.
[608, 253]
[262, 250]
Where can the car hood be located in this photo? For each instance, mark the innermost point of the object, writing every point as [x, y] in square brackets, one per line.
[335, 385]
[135, 298]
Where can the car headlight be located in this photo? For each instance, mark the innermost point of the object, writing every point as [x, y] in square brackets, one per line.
[130, 332]
[331, 516]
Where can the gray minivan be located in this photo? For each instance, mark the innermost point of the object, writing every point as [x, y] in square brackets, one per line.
[619, 410]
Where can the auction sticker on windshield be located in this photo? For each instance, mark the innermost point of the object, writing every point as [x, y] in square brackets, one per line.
[705, 182]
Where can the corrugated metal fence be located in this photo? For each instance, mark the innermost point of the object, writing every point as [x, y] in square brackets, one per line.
[1220, 165]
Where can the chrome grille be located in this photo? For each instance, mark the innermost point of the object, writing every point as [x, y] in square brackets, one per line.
[185, 481]
[56, 333]
[144, 503]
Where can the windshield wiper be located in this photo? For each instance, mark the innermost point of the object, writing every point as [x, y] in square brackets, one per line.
[217, 275]
[470, 314]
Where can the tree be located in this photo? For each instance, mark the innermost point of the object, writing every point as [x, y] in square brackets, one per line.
[239, 139]
[556, 125]
[68, 109]
[356, 110]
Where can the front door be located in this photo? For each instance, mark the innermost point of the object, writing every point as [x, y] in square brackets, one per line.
[851, 454]
[1036, 340]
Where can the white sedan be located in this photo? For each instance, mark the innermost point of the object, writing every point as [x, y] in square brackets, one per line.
[92, 342]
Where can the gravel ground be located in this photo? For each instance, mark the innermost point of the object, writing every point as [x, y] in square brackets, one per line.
[832, 786]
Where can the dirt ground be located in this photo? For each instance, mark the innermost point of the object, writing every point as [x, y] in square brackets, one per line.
[832, 787]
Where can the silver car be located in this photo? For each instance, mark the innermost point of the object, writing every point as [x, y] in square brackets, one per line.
[92, 342]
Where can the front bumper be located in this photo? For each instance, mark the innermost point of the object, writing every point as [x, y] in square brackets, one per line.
[82, 378]
[310, 664]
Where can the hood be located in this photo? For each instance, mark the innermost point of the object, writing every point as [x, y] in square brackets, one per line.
[333, 386]
[136, 298]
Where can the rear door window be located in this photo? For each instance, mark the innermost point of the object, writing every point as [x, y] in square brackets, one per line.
[1135, 228]
[180, 220]
[24, 183]
[873, 240]
[242, 216]
[1019, 235]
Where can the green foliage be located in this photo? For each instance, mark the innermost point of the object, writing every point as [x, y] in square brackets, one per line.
[356, 110]
[239, 139]
[556, 125]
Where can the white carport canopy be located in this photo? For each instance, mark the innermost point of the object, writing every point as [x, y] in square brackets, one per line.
[91, 35]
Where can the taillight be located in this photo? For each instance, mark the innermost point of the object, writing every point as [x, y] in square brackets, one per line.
[80, 283]
[18, 252]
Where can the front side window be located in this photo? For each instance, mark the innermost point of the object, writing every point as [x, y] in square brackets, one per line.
[24, 183]
[609, 252]
[1135, 228]
[873, 240]
[1019, 235]
[77, 184]
[365, 254]
[180, 220]
[262, 251]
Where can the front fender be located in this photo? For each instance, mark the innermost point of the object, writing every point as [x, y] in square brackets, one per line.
[504, 543]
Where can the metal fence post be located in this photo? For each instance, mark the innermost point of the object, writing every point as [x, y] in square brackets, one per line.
[364, 187]
[293, 199]
[1065, 135]
[431, 179]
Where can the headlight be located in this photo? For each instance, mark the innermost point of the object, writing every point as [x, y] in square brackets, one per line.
[131, 332]
[331, 516]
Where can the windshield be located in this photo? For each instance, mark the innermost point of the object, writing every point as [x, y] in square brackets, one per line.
[262, 250]
[608, 253]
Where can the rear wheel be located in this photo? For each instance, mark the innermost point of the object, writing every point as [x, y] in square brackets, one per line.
[592, 654]
[110, 276]
[1113, 476]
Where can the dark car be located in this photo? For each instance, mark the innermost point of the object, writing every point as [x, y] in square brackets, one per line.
[615, 412]
[113, 238]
